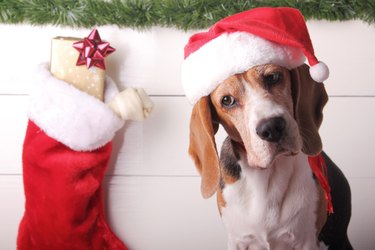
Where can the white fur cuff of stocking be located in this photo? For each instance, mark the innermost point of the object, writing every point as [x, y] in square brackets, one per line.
[74, 118]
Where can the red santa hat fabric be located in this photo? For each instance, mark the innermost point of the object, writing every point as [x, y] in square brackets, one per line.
[241, 41]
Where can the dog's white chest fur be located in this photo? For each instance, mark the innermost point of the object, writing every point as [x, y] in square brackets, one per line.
[273, 208]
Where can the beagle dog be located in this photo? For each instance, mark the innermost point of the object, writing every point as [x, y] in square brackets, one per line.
[267, 195]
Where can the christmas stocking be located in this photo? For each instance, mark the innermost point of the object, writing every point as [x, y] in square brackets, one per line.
[65, 155]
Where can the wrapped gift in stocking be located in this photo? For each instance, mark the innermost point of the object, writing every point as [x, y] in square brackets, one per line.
[66, 153]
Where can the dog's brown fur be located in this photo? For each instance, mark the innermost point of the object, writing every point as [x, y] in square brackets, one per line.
[303, 98]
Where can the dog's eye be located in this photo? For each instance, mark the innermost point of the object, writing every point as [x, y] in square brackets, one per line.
[272, 79]
[228, 101]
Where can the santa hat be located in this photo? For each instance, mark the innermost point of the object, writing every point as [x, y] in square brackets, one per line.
[239, 42]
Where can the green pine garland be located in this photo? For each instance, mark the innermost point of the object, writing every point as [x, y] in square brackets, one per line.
[183, 14]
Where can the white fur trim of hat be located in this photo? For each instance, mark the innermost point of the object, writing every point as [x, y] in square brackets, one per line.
[228, 54]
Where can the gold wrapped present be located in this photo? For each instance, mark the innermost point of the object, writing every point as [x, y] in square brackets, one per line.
[63, 66]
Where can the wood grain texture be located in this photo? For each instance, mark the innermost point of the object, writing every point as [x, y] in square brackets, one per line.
[11, 209]
[362, 225]
[162, 213]
[152, 188]
[152, 58]
[348, 135]
[145, 212]
[158, 146]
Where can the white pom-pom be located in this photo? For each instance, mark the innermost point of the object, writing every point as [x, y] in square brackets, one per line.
[319, 72]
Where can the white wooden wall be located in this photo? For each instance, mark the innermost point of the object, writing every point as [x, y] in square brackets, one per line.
[152, 189]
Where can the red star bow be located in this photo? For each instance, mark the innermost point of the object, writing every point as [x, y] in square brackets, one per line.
[92, 50]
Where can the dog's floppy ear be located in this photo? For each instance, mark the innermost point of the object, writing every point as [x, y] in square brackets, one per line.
[203, 147]
[309, 98]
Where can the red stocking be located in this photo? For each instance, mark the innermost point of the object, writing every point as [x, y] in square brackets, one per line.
[66, 153]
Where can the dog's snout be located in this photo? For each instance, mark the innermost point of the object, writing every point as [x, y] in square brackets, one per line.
[271, 129]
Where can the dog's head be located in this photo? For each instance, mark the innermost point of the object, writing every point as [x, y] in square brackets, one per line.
[267, 111]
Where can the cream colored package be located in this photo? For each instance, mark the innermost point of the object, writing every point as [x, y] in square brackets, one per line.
[63, 66]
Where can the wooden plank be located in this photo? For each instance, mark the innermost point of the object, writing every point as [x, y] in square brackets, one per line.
[13, 127]
[169, 213]
[362, 224]
[152, 59]
[145, 212]
[348, 135]
[159, 145]
[346, 47]
[159, 142]
[11, 209]
[164, 213]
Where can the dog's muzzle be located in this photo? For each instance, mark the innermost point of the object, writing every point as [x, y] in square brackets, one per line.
[272, 129]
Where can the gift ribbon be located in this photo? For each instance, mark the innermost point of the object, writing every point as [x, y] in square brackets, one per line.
[92, 50]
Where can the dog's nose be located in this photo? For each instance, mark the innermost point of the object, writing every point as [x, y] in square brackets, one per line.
[271, 129]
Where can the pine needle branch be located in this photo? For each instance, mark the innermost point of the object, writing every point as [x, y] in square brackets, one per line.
[182, 14]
